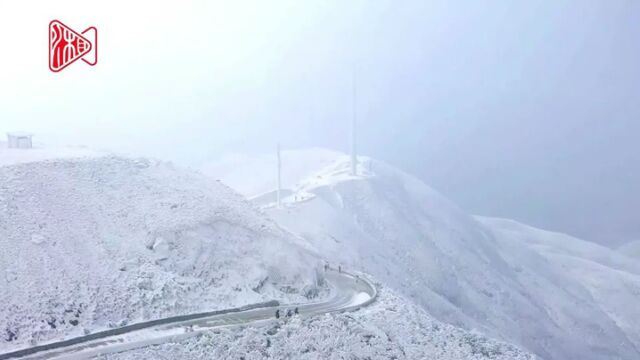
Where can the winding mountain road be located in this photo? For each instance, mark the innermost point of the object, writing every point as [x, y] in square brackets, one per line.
[349, 292]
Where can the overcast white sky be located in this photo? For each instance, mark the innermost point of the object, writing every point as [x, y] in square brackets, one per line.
[528, 110]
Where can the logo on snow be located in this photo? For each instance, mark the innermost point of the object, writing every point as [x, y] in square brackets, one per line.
[66, 46]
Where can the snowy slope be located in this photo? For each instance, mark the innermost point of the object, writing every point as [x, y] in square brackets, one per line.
[557, 244]
[631, 249]
[393, 226]
[613, 280]
[39, 153]
[91, 242]
[243, 177]
[391, 328]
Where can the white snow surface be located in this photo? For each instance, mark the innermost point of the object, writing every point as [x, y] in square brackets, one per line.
[557, 296]
[611, 279]
[240, 170]
[90, 242]
[391, 328]
[631, 249]
[40, 153]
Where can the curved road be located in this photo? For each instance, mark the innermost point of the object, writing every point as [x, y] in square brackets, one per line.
[349, 292]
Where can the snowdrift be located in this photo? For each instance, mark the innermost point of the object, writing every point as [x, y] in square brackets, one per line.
[97, 241]
[393, 226]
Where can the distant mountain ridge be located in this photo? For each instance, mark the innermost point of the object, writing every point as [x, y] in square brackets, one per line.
[631, 249]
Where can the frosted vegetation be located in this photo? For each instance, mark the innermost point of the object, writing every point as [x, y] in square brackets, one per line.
[391, 328]
[555, 295]
[93, 241]
[101, 241]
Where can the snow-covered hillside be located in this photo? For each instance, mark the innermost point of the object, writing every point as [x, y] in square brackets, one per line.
[10, 156]
[98, 241]
[613, 280]
[631, 249]
[93, 241]
[391, 328]
[393, 226]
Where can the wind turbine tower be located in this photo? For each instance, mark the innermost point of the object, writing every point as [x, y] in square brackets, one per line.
[279, 177]
[354, 157]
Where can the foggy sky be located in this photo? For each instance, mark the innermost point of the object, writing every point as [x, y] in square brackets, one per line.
[529, 111]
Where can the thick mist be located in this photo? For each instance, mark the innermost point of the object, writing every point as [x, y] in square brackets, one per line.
[526, 111]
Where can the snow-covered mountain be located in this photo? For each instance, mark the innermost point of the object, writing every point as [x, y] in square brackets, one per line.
[462, 270]
[101, 241]
[612, 280]
[93, 241]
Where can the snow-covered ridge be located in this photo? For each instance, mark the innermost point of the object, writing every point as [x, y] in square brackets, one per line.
[240, 170]
[93, 242]
[458, 267]
[559, 244]
[612, 280]
[631, 249]
[21, 156]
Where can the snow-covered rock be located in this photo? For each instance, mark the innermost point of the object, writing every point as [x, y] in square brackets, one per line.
[92, 241]
[393, 226]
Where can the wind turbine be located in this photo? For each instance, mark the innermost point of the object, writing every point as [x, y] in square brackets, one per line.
[354, 157]
[279, 177]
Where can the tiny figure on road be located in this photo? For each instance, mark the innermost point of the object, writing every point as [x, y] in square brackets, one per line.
[278, 314]
[289, 313]
[339, 268]
[296, 311]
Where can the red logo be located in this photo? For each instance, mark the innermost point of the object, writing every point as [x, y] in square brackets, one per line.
[66, 46]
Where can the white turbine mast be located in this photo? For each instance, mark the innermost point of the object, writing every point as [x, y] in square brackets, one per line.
[279, 177]
[354, 157]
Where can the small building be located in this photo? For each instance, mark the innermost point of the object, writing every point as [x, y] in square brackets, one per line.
[20, 140]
